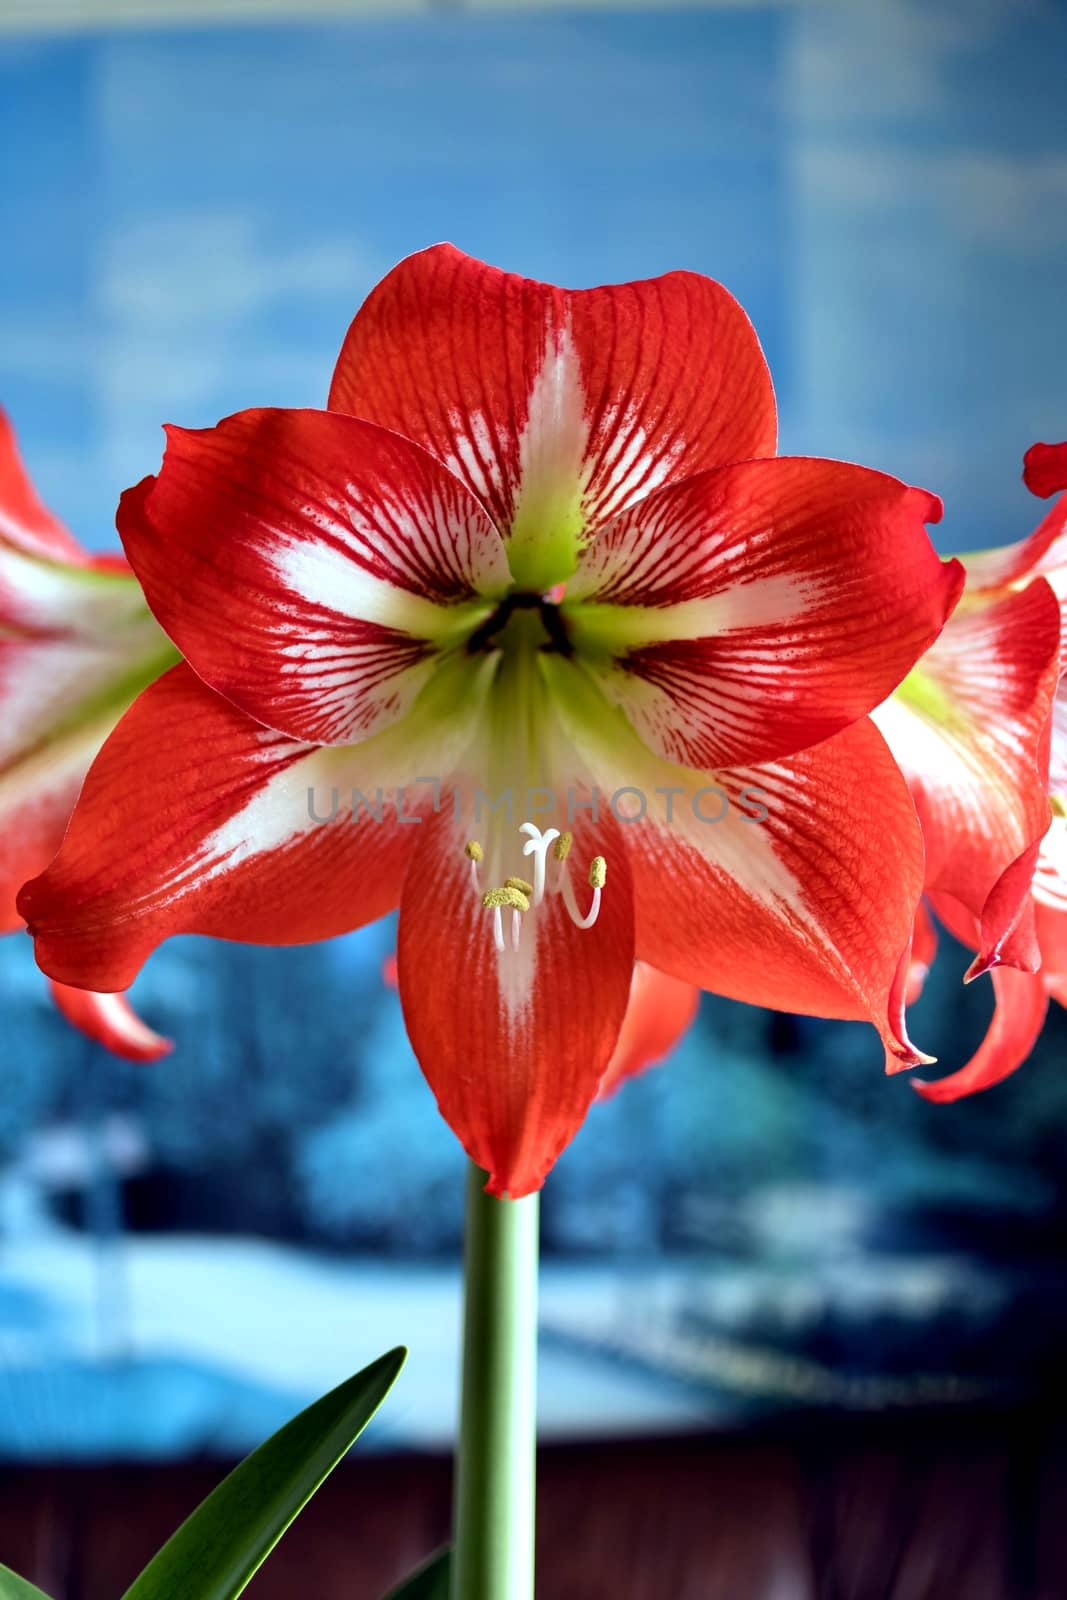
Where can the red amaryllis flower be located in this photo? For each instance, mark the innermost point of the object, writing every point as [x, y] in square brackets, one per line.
[390, 698]
[972, 727]
[77, 644]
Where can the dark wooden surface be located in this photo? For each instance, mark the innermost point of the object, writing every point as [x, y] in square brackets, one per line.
[924, 1509]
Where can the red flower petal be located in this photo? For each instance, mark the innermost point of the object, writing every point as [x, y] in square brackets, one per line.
[1021, 1004]
[556, 407]
[1050, 906]
[660, 1012]
[792, 885]
[308, 565]
[195, 819]
[1045, 469]
[1052, 938]
[513, 1046]
[111, 1021]
[970, 731]
[923, 954]
[753, 611]
[24, 521]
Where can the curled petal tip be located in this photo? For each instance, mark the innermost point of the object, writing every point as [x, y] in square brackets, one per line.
[981, 965]
[1045, 469]
[904, 1059]
[110, 1020]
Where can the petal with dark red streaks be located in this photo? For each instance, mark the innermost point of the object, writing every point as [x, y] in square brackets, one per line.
[311, 567]
[750, 612]
[557, 407]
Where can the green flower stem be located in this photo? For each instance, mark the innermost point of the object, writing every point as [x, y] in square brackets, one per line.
[493, 1529]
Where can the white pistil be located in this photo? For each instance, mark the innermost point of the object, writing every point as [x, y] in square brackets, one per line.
[537, 845]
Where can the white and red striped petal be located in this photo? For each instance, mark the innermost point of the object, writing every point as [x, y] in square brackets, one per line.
[311, 566]
[556, 407]
[970, 730]
[792, 885]
[750, 612]
[76, 644]
[514, 1043]
[196, 819]
[110, 1020]
[26, 524]
[661, 1011]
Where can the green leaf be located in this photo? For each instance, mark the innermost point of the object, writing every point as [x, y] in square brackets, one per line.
[429, 1582]
[12, 1587]
[217, 1550]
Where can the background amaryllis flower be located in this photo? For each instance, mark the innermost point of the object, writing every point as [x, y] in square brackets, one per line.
[77, 644]
[980, 729]
[369, 602]
[660, 1012]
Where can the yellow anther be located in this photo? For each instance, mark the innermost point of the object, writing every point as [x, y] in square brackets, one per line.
[1059, 805]
[598, 872]
[506, 895]
[473, 850]
[562, 847]
[520, 884]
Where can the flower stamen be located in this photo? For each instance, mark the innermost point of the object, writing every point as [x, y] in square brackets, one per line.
[497, 900]
[474, 853]
[598, 872]
[519, 895]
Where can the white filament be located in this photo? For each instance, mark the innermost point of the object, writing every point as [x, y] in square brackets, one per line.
[572, 905]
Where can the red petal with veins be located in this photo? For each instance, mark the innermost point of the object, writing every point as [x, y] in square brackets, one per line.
[24, 521]
[111, 1021]
[1021, 1004]
[661, 1011]
[971, 734]
[195, 819]
[556, 404]
[514, 1046]
[753, 611]
[793, 884]
[809, 911]
[308, 565]
[1045, 469]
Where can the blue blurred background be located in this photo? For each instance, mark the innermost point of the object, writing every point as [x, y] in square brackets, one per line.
[192, 215]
